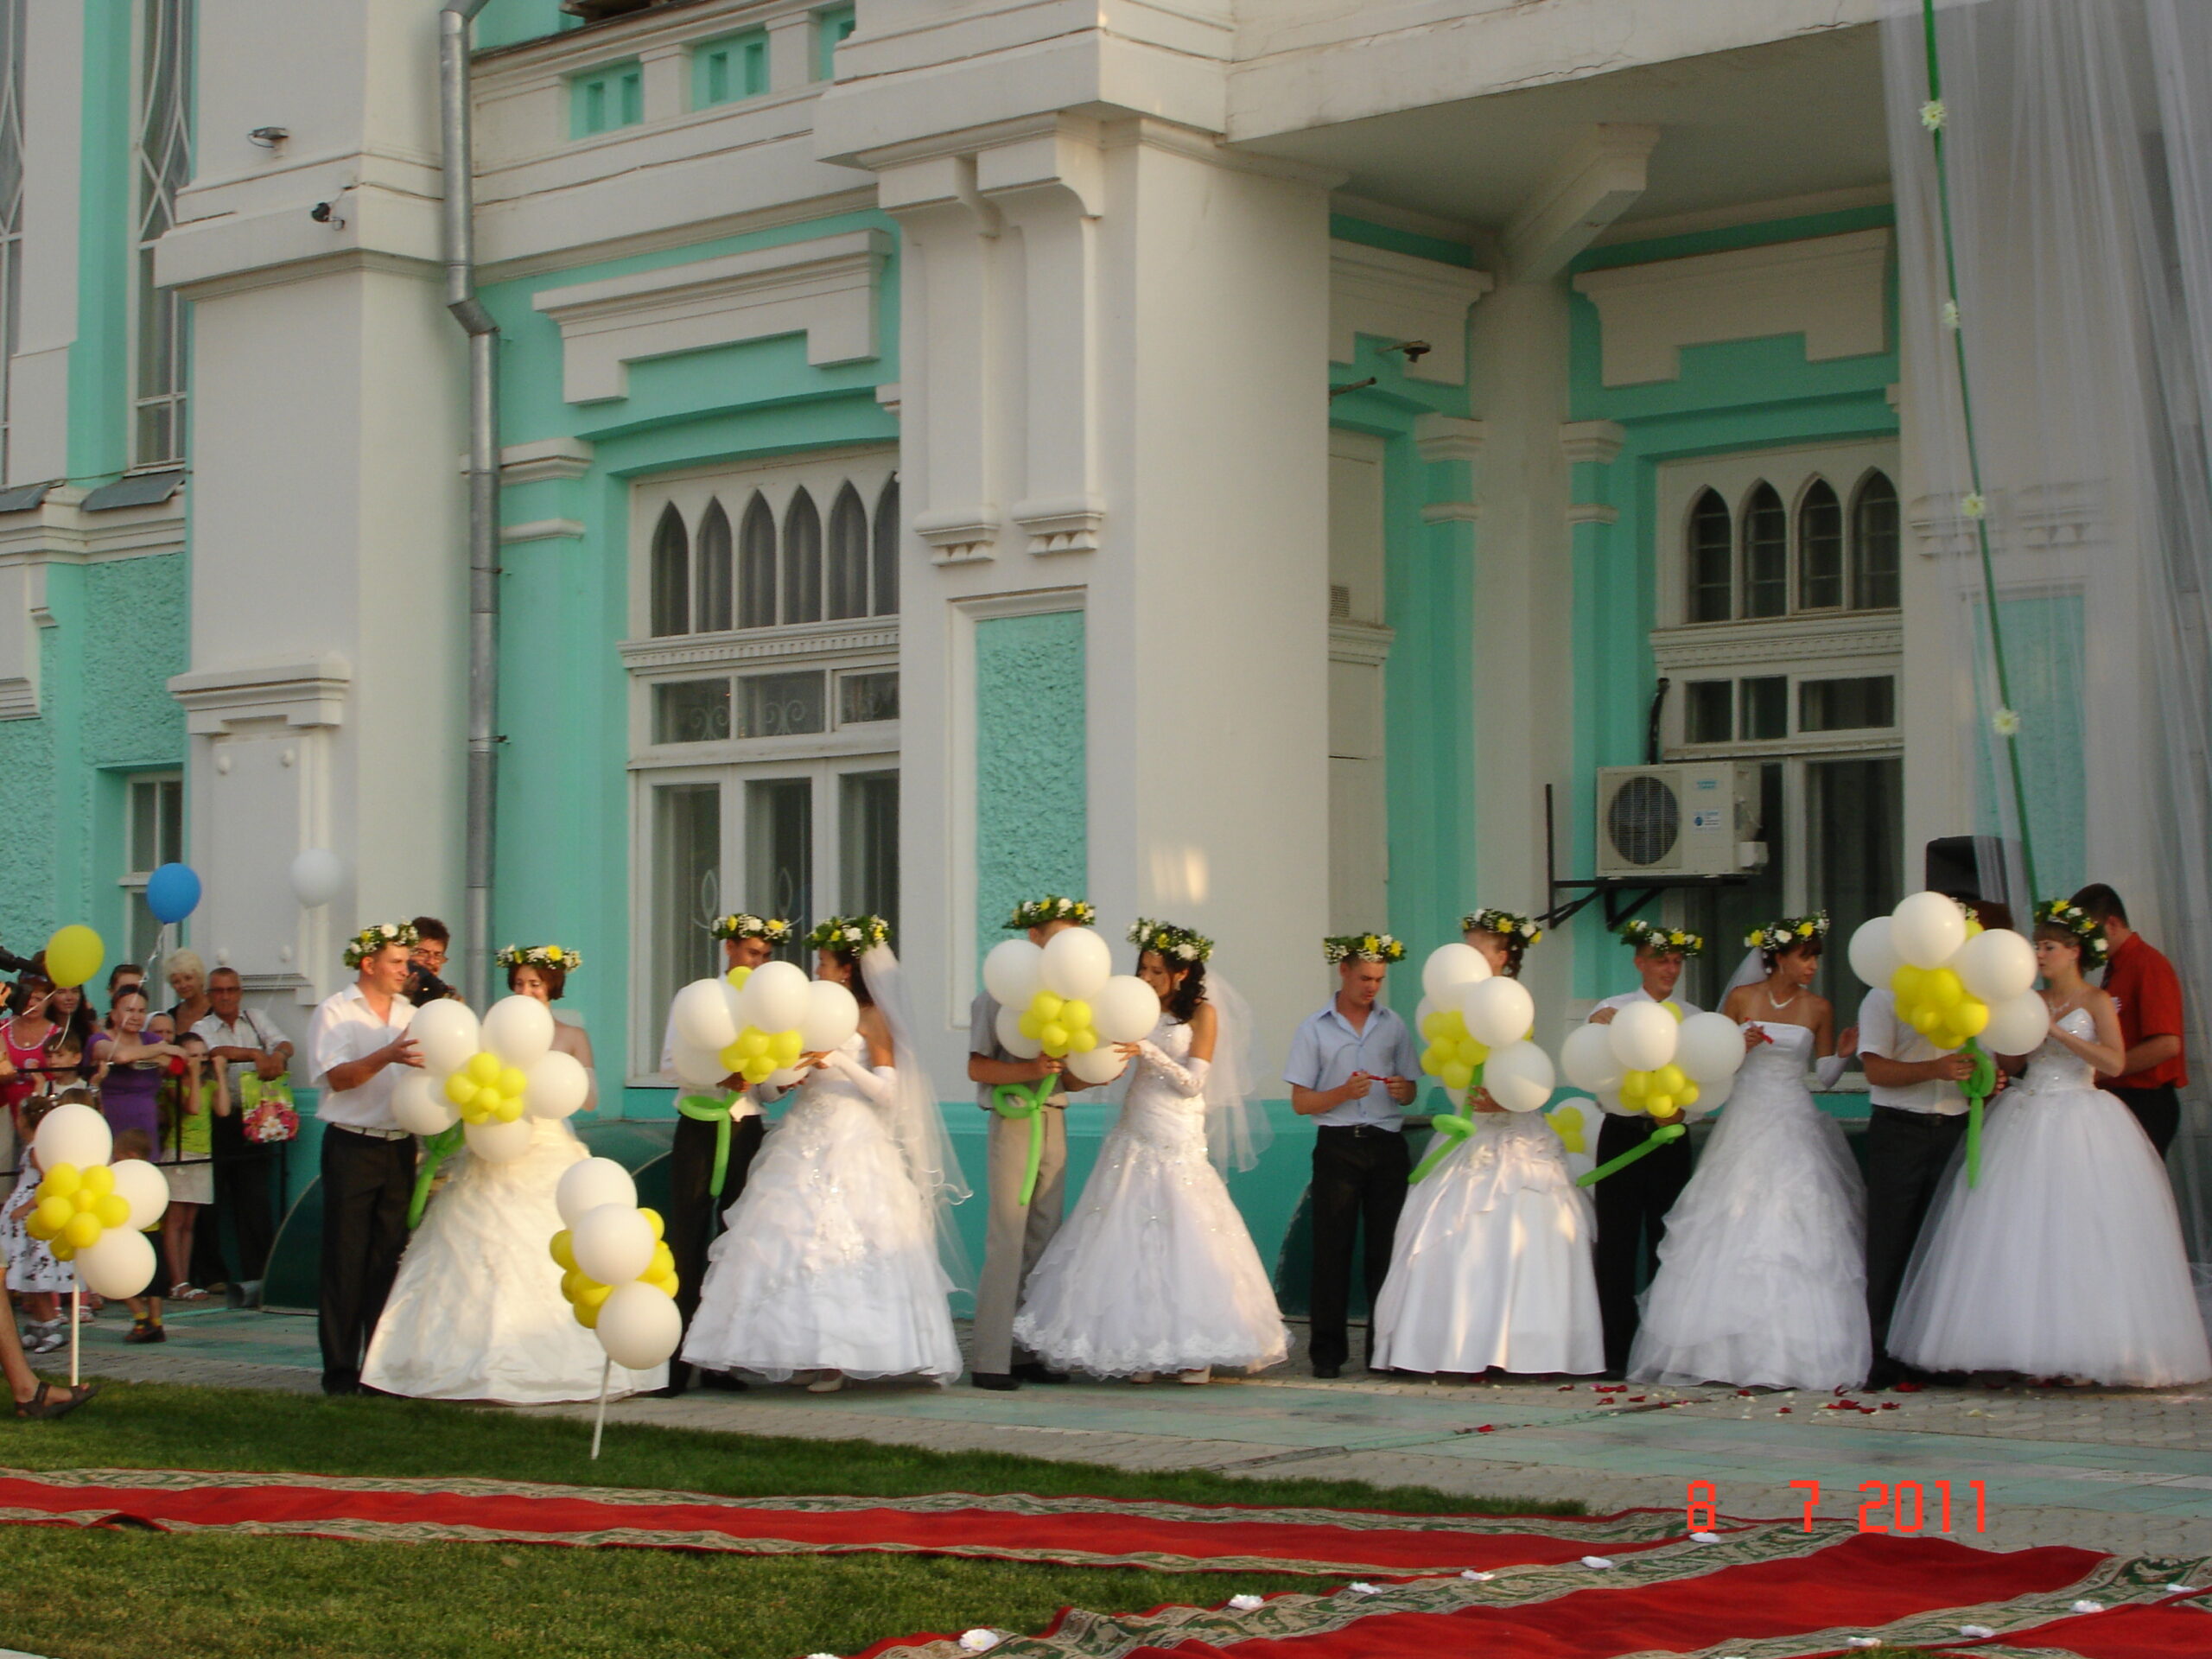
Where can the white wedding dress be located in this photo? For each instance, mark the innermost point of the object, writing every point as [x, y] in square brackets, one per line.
[1155, 1270]
[1762, 1279]
[830, 1261]
[1491, 1264]
[477, 1311]
[2067, 1260]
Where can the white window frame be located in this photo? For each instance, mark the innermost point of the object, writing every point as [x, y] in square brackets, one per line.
[178, 397]
[133, 882]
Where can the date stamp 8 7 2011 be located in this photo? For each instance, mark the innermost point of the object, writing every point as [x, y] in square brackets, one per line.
[1900, 1506]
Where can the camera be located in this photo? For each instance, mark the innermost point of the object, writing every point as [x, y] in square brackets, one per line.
[12, 963]
[424, 987]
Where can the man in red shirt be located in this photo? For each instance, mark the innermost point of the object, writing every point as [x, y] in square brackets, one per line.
[2143, 985]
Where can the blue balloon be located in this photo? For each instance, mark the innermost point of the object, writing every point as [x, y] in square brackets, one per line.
[172, 892]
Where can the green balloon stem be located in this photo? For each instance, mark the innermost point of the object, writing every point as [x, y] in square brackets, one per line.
[709, 1108]
[1451, 1130]
[1976, 1089]
[435, 1151]
[1020, 1100]
[1651, 1143]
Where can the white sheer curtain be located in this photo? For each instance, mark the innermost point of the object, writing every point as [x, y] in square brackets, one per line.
[2079, 157]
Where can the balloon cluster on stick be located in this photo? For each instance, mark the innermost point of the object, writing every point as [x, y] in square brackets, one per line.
[755, 1024]
[1478, 1027]
[617, 1275]
[1652, 1059]
[92, 1213]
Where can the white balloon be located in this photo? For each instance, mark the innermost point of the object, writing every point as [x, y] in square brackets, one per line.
[614, 1243]
[699, 1068]
[1076, 963]
[1927, 929]
[776, 997]
[73, 1134]
[496, 1142]
[419, 1106]
[1997, 965]
[559, 1085]
[1451, 964]
[1498, 1010]
[584, 1187]
[1873, 955]
[1010, 972]
[833, 1014]
[1008, 1026]
[120, 1264]
[447, 1033]
[1101, 1065]
[142, 1187]
[519, 1030]
[1711, 1095]
[638, 1325]
[1588, 1060]
[2017, 1026]
[1710, 1047]
[1519, 1076]
[1125, 1010]
[701, 1015]
[318, 877]
[785, 1077]
[1644, 1035]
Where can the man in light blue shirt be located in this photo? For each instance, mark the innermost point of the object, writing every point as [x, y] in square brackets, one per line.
[1353, 1069]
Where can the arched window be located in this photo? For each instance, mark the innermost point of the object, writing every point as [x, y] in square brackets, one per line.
[711, 613]
[671, 575]
[886, 549]
[756, 565]
[1766, 553]
[1874, 530]
[802, 560]
[848, 570]
[1820, 549]
[1711, 561]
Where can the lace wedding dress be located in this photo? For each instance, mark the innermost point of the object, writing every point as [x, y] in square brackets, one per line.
[830, 1259]
[1762, 1279]
[1155, 1270]
[2067, 1260]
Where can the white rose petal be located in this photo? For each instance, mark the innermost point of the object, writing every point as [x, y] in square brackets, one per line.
[1359, 1589]
[1863, 1641]
[1473, 1577]
[1599, 1562]
[1246, 1604]
[2086, 1607]
[1705, 1537]
[1976, 1633]
[978, 1640]
[2181, 1589]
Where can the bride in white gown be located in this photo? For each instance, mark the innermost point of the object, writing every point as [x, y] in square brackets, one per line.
[477, 1311]
[832, 1262]
[1155, 1271]
[1762, 1280]
[2066, 1260]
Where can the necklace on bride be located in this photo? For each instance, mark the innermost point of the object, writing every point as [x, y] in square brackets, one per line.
[1779, 1007]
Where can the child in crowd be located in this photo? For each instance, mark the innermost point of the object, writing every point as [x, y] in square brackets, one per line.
[32, 1273]
[145, 1310]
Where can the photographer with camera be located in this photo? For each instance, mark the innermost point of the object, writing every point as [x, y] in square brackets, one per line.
[427, 960]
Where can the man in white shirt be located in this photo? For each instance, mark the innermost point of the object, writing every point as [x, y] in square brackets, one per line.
[357, 1042]
[251, 1046]
[1632, 1206]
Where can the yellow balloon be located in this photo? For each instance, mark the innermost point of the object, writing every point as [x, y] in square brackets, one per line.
[1905, 983]
[1925, 1020]
[1670, 1079]
[1075, 1013]
[113, 1211]
[564, 1250]
[83, 1232]
[1054, 1037]
[751, 1043]
[785, 1046]
[1659, 1104]
[664, 1259]
[572, 1283]
[593, 1293]
[73, 954]
[1432, 1024]
[1943, 989]
[1686, 1095]
[1457, 1075]
[733, 1057]
[1971, 1017]
[1030, 1026]
[483, 1068]
[508, 1109]
[1634, 1086]
[62, 1250]
[1432, 1059]
[759, 1070]
[1455, 1026]
[60, 1181]
[51, 1216]
[1046, 1007]
[99, 1180]
[737, 976]
[653, 1220]
[459, 1090]
[663, 1282]
[1675, 1008]
[1081, 1042]
[512, 1081]
[588, 1315]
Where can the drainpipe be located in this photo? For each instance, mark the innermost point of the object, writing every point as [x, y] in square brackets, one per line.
[460, 239]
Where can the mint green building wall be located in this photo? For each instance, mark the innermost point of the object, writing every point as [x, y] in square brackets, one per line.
[100, 358]
[1030, 795]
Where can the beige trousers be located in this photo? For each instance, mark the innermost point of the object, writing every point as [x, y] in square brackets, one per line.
[1018, 1232]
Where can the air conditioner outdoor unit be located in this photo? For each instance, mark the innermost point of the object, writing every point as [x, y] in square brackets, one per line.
[1677, 820]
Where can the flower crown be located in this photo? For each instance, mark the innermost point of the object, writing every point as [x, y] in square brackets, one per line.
[1790, 930]
[1053, 908]
[1504, 923]
[774, 929]
[2064, 912]
[1362, 947]
[1173, 942]
[541, 956]
[373, 938]
[853, 933]
[1666, 941]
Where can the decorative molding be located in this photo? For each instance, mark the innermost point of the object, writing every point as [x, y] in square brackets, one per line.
[1448, 437]
[301, 694]
[729, 649]
[1061, 526]
[1367, 642]
[1592, 512]
[59, 528]
[1830, 288]
[1876, 638]
[959, 535]
[1592, 185]
[2044, 519]
[1595, 442]
[1394, 296]
[22, 615]
[827, 288]
[1451, 512]
[543, 530]
[889, 396]
[547, 460]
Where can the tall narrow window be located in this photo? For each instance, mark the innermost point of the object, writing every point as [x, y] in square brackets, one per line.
[1766, 554]
[687, 835]
[756, 565]
[164, 166]
[868, 844]
[849, 556]
[712, 614]
[11, 204]
[155, 838]
[1820, 549]
[671, 575]
[1874, 529]
[802, 560]
[885, 533]
[1712, 559]
[779, 851]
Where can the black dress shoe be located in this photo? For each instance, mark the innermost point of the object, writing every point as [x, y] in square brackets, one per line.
[1327, 1373]
[1885, 1373]
[337, 1384]
[998, 1381]
[1031, 1371]
[666, 1391]
[725, 1382]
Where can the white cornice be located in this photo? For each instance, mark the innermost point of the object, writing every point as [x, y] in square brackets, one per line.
[306, 693]
[58, 529]
[1360, 642]
[826, 640]
[1394, 296]
[546, 460]
[1596, 441]
[1448, 437]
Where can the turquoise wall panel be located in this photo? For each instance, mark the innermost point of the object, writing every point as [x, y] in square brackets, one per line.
[503, 22]
[100, 358]
[1030, 803]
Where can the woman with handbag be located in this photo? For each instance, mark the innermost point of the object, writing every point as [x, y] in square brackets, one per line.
[249, 1128]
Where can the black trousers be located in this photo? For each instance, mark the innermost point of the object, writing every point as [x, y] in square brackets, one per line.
[1907, 1156]
[2158, 1109]
[1632, 1208]
[366, 1184]
[244, 1171]
[695, 1214]
[1359, 1176]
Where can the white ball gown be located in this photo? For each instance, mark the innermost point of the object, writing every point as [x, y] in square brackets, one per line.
[477, 1311]
[2067, 1260]
[1762, 1279]
[830, 1261]
[1491, 1264]
[1155, 1270]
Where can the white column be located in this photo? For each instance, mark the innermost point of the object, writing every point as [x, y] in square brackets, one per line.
[38, 377]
